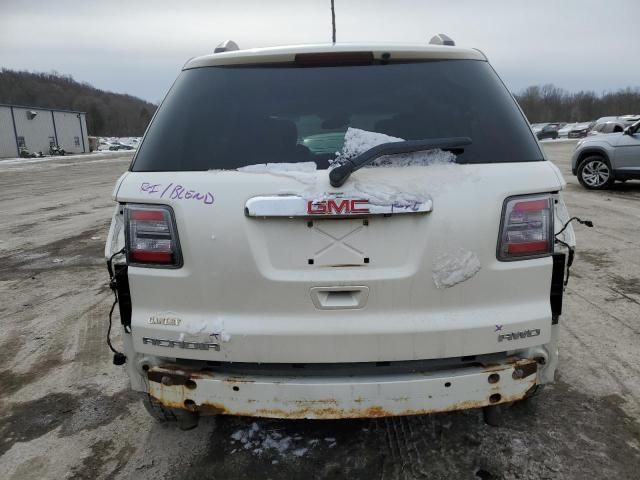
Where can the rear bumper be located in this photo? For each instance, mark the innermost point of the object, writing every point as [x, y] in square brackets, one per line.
[343, 397]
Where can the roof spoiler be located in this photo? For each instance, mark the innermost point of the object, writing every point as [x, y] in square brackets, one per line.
[442, 39]
[226, 46]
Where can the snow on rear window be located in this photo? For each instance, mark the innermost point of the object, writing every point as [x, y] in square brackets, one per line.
[417, 185]
[357, 141]
[304, 172]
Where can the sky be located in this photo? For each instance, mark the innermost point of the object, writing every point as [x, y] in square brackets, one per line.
[138, 47]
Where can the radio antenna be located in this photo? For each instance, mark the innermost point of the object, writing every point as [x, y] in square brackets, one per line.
[333, 21]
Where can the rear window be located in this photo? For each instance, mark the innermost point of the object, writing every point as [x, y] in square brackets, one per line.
[230, 117]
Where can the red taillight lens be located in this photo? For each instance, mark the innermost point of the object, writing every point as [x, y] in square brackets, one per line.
[151, 236]
[527, 228]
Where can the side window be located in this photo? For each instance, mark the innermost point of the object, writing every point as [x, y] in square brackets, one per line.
[608, 128]
[76, 141]
[21, 142]
[598, 127]
[617, 128]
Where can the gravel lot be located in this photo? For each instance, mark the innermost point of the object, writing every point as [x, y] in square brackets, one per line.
[67, 411]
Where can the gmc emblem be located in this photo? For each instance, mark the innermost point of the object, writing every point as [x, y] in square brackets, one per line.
[340, 207]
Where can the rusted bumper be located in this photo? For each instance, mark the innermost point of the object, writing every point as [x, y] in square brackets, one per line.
[342, 397]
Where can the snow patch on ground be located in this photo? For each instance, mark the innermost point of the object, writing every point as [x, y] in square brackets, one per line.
[105, 143]
[304, 172]
[68, 157]
[449, 269]
[258, 441]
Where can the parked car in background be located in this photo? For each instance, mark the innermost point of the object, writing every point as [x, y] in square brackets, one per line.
[536, 127]
[629, 118]
[606, 119]
[607, 127]
[550, 130]
[581, 130]
[564, 131]
[600, 160]
[120, 146]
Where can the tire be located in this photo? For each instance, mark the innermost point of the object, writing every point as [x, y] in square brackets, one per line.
[594, 173]
[184, 419]
[492, 415]
[534, 391]
[157, 410]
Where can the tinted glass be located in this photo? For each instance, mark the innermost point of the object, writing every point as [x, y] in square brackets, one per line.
[228, 117]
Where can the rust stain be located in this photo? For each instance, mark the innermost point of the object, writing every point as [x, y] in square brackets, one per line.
[327, 408]
[239, 380]
[510, 363]
[324, 401]
[333, 412]
[528, 369]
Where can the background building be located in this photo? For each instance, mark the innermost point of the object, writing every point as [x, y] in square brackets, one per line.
[37, 129]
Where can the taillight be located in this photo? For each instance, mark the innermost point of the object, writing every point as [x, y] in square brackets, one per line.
[527, 227]
[151, 236]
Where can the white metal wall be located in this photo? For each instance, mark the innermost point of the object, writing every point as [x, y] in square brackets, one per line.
[36, 131]
[72, 134]
[85, 132]
[70, 130]
[7, 137]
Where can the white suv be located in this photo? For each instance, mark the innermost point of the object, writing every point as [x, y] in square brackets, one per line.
[334, 231]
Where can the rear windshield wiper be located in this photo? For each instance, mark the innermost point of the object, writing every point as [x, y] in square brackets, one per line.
[340, 174]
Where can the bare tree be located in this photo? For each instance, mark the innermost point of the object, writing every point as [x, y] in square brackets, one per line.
[108, 114]
[548, 103]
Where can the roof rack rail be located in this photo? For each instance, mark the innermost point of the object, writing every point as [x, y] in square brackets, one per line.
[226, 46]
[442, 39]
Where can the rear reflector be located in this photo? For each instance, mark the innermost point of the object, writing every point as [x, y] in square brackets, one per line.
[151, 237]
[334, 58]
[527, 228]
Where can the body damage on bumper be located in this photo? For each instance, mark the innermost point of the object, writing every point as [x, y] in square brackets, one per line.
[342, 397]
